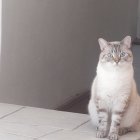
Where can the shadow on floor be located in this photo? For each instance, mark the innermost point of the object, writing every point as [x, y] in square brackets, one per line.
[78, 105]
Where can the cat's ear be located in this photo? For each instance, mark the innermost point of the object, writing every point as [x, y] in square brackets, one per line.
[103, 43]
[127, 41]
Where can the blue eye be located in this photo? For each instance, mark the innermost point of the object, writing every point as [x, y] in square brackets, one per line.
[123, 54]
[109, 55]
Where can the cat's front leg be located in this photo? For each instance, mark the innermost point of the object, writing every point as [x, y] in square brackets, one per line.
[117, 114]
[115, 124]
[102, 120]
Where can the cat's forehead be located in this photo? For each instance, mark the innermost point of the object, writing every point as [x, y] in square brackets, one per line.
[114, 43]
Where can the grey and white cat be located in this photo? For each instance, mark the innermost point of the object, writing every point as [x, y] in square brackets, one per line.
[114, 106]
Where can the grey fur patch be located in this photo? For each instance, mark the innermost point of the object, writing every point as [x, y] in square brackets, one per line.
[102, 110]
[116, 123]
[119, 112]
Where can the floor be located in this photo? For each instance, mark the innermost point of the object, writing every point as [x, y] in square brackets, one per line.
[28, 123]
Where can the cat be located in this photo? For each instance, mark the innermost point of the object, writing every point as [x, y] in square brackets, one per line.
[114, 106]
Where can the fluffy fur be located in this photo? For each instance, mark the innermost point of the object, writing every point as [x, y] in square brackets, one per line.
[114, 106]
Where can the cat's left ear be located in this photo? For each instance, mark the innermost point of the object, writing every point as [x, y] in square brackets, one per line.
[127, 41]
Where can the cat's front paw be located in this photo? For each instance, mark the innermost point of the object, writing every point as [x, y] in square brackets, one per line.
[113, 136]
[100, 134]
[124, 130]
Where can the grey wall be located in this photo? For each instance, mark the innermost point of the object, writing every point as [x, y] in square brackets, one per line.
[136, 64]
[49, 47]
[138, 20]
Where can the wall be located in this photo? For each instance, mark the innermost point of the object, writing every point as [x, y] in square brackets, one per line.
[138, 20]
[136, 64]
[0, 23]
[50, 49]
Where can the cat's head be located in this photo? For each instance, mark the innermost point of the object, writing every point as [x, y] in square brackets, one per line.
[116, 52]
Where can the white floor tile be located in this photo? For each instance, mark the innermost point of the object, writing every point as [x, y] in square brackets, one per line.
[87, 127]
[5, 136]
[6, 109]
[33, 123]
[75, 135]
[26, 130]
[37, 116]
[71, 135]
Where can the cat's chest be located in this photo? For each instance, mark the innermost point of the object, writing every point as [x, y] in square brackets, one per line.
[113, 85]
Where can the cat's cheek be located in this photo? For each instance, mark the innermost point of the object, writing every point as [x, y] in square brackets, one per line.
[102, 61]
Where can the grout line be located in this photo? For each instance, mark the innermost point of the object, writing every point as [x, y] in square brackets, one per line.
[12, 112]
[50, 133]
[21, 136]
[24, 136]
[80, 125]
[32, 137]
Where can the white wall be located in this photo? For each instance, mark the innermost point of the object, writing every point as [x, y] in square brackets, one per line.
[49, 47]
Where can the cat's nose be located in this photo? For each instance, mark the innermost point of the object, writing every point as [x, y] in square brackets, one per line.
[116, 60]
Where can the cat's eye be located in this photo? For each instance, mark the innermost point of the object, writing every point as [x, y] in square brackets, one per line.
[109, 55]
[122, 54]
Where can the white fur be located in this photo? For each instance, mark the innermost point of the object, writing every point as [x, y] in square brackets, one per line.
[114, 83]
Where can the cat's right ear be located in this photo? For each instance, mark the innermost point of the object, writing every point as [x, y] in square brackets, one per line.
[103, 43]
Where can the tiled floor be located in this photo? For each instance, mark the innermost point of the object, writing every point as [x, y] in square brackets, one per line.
[27, 123]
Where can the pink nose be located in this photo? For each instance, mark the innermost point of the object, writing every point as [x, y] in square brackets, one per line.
[116, 60]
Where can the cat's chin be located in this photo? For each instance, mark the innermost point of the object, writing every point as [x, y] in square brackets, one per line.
[111, 64]
[116, 64]
[119, 64]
